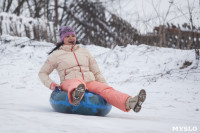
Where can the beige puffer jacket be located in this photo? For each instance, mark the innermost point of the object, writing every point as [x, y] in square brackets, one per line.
[71, 61]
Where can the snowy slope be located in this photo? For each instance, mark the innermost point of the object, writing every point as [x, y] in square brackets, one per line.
[173, 94]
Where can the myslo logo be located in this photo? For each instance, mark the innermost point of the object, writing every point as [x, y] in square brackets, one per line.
[184, 129]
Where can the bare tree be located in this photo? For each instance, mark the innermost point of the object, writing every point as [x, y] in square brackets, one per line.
[19, 7]
[46, 9]
[38, 6]
[56, 13]
[190, 20]
[30, 8]
[193, 37]
[6, 5]
[63, 13]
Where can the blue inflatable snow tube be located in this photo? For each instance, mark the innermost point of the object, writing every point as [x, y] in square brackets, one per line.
[91, 104]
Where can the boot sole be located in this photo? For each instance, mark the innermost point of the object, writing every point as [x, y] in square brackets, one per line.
[79, 93]
[141, 99]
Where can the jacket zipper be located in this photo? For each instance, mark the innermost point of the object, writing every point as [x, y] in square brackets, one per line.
[77, 61]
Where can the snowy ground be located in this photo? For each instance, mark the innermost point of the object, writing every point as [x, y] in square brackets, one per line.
[173, 94]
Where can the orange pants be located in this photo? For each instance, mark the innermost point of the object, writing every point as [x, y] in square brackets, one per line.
[112, 96]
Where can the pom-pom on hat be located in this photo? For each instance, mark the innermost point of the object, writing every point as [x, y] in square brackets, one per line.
[64, 31]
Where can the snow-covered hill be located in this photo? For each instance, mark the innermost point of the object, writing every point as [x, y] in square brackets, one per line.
[173, 94]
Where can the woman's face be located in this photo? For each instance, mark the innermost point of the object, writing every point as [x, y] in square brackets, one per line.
[70, 39]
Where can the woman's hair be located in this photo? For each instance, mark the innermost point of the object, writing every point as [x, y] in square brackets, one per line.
[58, 45]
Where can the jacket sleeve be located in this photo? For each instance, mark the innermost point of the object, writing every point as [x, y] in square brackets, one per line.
[94, 68]
[46, 69]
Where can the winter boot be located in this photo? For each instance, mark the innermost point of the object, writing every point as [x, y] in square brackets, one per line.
[78, 94]
[136, 102]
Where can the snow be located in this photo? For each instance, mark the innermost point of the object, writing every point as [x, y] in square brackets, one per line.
[173, 94]
[14, 25]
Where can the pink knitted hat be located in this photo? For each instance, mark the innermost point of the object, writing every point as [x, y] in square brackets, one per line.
[64, 31]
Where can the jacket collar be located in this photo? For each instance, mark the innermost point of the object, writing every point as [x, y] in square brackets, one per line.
[69, 48]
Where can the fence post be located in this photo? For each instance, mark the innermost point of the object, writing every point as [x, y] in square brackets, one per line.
[162, 36]
[179, 39]
[1, 19]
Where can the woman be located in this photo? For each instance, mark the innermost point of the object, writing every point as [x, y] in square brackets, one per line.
[79, 71]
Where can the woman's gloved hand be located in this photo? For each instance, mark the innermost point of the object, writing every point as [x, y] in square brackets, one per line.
[55, 87]
[58, 88]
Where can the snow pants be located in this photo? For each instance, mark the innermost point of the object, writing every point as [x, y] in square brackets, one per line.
[112, 96]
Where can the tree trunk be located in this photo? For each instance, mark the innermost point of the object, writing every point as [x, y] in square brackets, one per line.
[193, 42]
[38, 7]
[29, 7]
[6, 7]
[56, 13]
[18, 8]
[63, 13]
